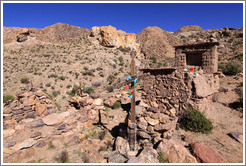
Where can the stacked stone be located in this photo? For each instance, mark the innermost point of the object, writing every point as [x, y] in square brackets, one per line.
[166, 96]
[29, 105]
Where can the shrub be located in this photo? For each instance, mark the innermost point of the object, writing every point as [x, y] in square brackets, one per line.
[121, 64]
[74, 90]
[195, 121]
[52, 76]
[96, 84]
[89, 90]
[111, 79]
[101, 74]
[110, 88]
[116, 105]
[239, 57]
[161, 157]
[124, 49]
[24, 80]
[8, 97]
[47, 85]
[55, 93]
[153, 58]
[62, 78]
[85, 68]
[69, 86]
[121, 59]
[230, 69]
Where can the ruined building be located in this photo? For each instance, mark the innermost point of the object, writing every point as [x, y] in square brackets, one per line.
[202, 55]
[170, 91]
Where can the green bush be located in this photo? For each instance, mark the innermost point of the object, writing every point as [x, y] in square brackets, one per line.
[230, 69]
[116, 105]
[62, 78]
[239, 57]
[161, 157]
[24, 80]
[74, 90]
[110, 88]
[55, 93]
[121, 59]
[195, 121]
[8, 97]
[153, 58]
[124, 49]
[89, 90]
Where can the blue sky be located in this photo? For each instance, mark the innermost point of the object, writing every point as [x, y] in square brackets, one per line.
[129, 17]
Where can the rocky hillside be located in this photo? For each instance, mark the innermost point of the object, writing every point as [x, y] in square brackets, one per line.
[156, 42]
[230, 39]
[53, 125]
[57, 33]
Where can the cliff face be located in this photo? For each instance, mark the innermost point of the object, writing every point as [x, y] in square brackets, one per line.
[110, 37]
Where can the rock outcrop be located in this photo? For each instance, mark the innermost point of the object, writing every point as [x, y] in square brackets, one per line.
[22, 34]
[110, 37]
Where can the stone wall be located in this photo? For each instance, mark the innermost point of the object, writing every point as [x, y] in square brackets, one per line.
[167, 96]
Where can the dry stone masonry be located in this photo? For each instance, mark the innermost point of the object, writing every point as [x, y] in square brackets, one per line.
[168, 92]
[202, 55]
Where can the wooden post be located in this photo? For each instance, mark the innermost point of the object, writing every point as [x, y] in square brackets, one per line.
[132, 127]
[133, 102]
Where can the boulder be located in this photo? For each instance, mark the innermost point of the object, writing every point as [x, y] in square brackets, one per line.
[55, 119]
[27, 143]
[208, 82]
[175, 152]
[116, 158]
[35, 134]
[61, 127]
[110, 102]
[8, 132]
[142, 123]
[98, 102]
[143, 135]
[171, 125]
[122, 146]
[139, 111]
[149, 155]
[40, 144]
[29, 102]
[151, 121]
[136, 160]
[41, 109]
[207, 154]
[164, 118]
[37, 123]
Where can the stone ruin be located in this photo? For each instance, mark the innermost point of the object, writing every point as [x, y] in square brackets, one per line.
[201, 56]
[168, 92]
